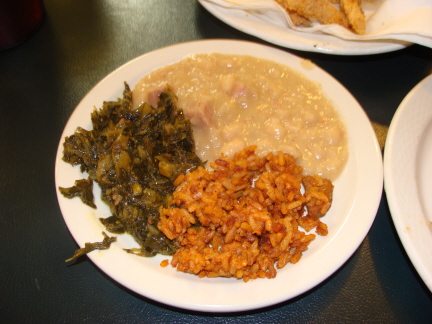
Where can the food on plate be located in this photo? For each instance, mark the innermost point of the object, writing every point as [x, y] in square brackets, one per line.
[275, 142]
[355, 15]
[134, 155]
[346, 13]
[235, 101]
[83, 189]
[90, 247]
[242, 219]
[322, 11]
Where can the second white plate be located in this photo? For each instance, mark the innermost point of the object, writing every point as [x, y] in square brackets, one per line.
[408, 175]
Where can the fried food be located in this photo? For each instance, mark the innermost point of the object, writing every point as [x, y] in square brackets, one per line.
[355, 15]
[346, 13]
[298, 19]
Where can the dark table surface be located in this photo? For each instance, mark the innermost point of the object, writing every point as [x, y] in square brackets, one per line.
[42, 81]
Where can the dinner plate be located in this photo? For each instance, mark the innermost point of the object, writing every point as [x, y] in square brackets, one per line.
[408, 174]
[356, 198]
[271, 31]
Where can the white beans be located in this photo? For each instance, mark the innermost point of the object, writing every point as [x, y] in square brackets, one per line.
[235, 101]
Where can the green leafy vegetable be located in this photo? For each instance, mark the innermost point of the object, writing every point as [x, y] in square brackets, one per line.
[83, 189]
[113, 224]
[89, 247]
[135, 154]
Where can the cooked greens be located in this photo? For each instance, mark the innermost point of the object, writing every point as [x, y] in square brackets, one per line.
[135, 155]
[83, 188]
[89, 247]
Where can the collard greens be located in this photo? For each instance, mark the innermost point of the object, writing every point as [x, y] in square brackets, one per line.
[134, 155]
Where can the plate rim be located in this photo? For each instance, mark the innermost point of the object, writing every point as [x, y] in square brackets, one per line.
[340, 260]
[394, 196]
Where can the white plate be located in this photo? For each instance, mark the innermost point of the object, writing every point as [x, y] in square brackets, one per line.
[408, 175]
[280, 35]
[356, 198]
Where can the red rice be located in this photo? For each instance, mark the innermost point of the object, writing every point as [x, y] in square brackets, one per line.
[243, 219]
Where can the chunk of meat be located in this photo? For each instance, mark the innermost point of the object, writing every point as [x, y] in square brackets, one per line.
[153, 96]
[201, 113]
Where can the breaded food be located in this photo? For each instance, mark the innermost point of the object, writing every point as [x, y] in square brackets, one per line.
[297, 19]
[321, 11]
[346, 13]
[355, 15]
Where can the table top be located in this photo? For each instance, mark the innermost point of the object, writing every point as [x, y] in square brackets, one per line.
[42, 81]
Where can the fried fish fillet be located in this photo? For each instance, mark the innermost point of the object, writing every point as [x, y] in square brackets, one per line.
[355, 15]
[298, 20]
[321, 11]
